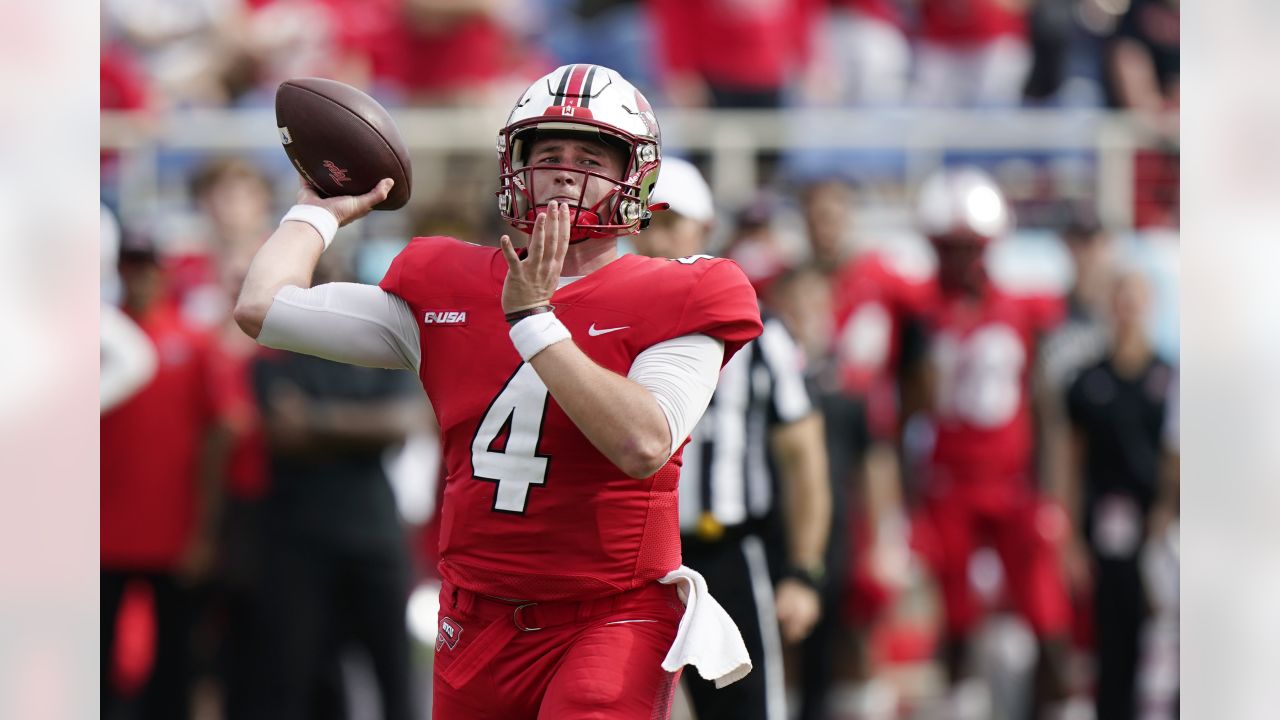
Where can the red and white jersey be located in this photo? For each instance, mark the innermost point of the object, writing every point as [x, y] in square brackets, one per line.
[981, 353]
[151, 450]
[531, 509]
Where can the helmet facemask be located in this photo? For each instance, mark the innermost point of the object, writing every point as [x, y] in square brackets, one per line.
[961, 266]
[618, 211]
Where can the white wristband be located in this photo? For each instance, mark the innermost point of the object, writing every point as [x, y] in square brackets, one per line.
[317, 217]
[533, 334]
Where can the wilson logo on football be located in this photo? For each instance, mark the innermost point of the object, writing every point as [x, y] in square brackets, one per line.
[338, 174]
[445, 317]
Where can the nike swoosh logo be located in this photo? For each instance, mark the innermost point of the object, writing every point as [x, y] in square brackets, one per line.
[593, 332]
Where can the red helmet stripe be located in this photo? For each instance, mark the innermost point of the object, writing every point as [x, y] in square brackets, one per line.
[576, 77]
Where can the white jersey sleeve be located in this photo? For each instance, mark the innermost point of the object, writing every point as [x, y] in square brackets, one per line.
[346, 322]
[681, 373]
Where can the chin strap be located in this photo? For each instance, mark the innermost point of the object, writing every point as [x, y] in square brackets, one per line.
[647, 217]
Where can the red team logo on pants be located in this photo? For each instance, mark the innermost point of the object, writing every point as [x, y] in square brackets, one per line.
[449, 633]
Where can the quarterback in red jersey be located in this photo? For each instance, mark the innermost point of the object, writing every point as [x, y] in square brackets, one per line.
[979, 487]
[565, 379]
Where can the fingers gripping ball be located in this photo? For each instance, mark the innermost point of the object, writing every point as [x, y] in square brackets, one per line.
[341, 140]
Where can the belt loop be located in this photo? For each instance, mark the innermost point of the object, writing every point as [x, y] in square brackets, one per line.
[516, 617]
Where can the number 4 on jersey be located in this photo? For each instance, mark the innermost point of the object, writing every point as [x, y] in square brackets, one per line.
[520, 409]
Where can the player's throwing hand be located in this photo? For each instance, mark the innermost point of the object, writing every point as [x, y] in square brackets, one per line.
[346, 208]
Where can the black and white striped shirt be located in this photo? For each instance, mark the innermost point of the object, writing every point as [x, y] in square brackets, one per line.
[728, 467]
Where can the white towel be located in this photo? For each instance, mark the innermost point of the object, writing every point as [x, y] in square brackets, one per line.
[708, 639]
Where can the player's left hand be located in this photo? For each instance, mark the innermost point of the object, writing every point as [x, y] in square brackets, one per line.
[799, 608]
[531, 282]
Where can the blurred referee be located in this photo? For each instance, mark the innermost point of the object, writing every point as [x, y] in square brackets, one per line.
[754, 477]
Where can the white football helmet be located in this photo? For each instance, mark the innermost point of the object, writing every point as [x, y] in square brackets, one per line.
[593, 100]
[962, 204]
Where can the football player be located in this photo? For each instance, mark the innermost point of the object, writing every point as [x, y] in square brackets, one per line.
[979, 487]
[565, 378]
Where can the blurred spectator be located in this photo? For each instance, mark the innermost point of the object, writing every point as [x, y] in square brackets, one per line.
[445, 52]
[865, 58]
[861, 59]
[235, 204]
[754, 477]
[1079, 342]
[184, 45]
[1143, 68]
[160, 494]
[1144, 57]
[971, 53]
[731, 53]
[755, 245]
[857, 396]
[335, 567]
[618, 34]
[979, 488]
[1119, 410]
[122, 84]
[236, 200]
[128, 359]
[1050, 25]
[284, 39]
[828, 218]
[801, 296]
[123, 87]
[226, 194]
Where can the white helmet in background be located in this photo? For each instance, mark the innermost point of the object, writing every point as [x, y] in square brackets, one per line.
[596, 101]
[962, 204]
[684, 191]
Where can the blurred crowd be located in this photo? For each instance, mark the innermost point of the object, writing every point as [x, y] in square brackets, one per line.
[264, 513]
[697, 53]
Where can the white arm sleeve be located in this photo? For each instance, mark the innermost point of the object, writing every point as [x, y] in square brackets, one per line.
[347, 322]
[681, 373]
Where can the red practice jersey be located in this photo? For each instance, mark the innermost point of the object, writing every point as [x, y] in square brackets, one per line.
[151, 451]
[531, 509]
[982, 351]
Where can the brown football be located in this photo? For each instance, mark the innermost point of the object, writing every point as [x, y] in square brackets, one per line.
[341, 140]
